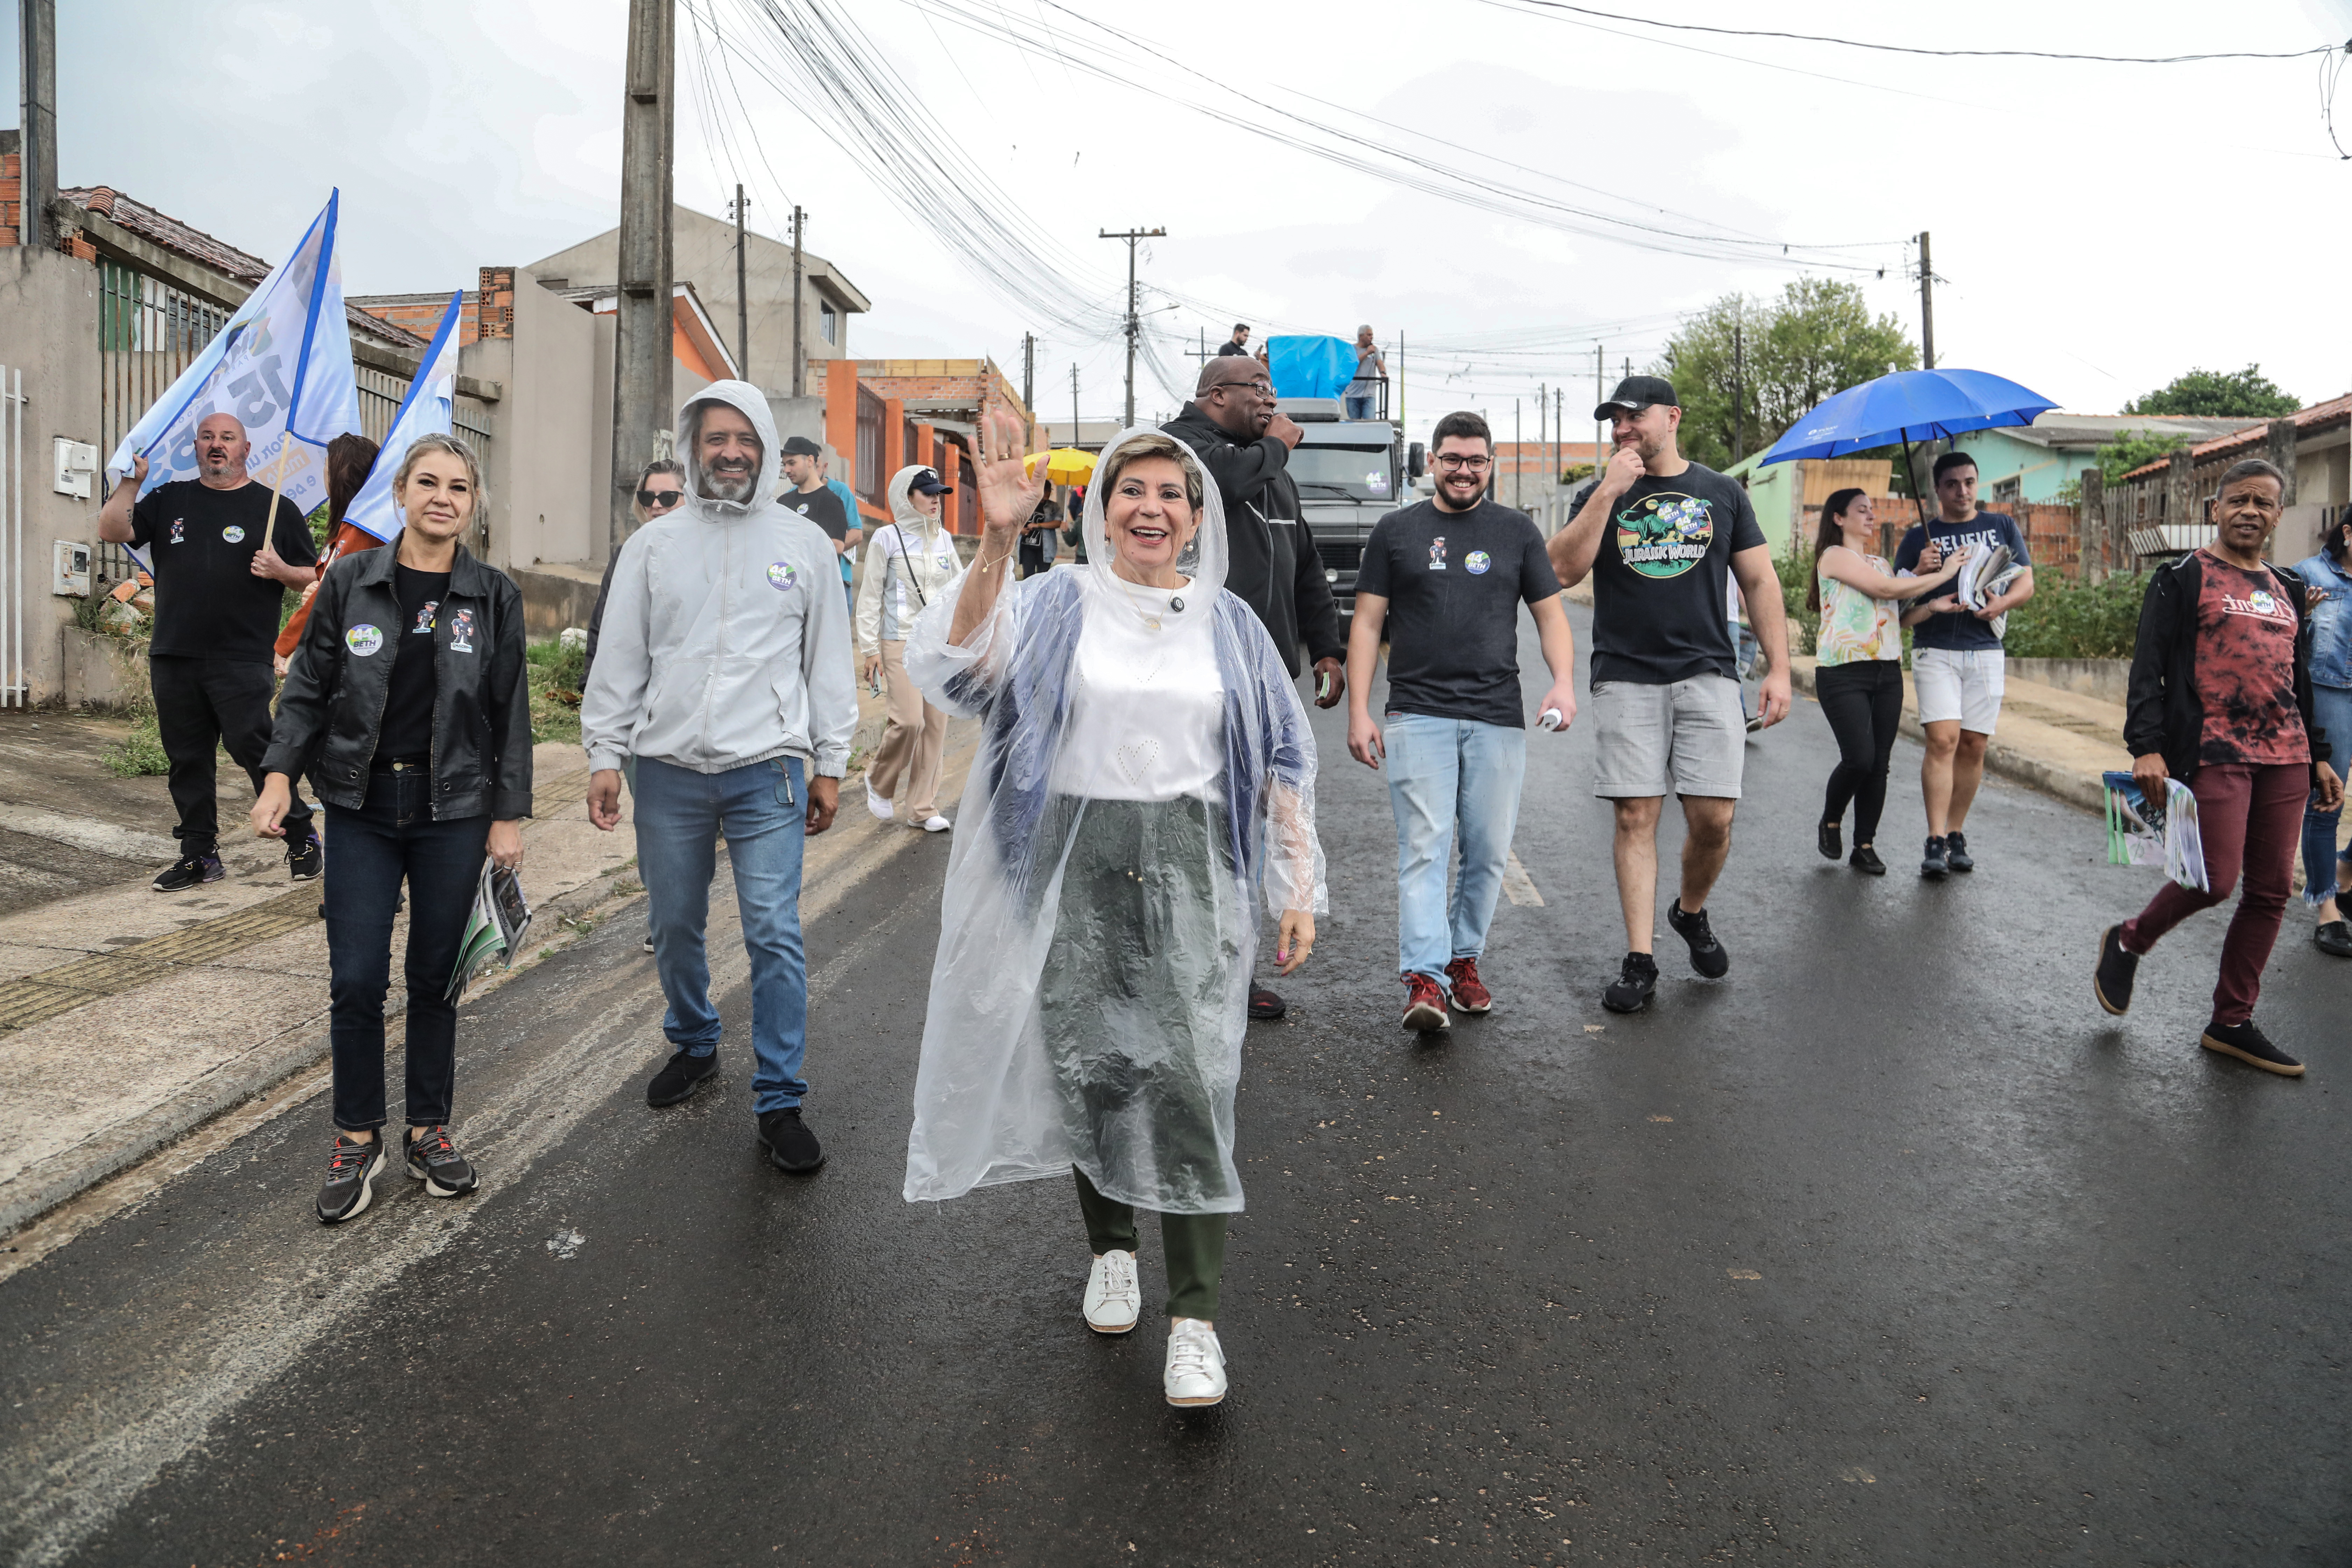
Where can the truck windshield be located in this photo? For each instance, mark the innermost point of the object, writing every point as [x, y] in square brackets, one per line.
[1359, 471]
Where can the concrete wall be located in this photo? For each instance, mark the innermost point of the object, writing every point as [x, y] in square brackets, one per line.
[550, 453]
[48, 329]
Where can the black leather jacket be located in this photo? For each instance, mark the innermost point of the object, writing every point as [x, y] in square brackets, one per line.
[1272, 564]
[331, 709]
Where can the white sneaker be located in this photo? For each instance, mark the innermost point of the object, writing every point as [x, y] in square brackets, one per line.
[879, 805]
[1113, 1299]
[935, 823]
[1196, 1364]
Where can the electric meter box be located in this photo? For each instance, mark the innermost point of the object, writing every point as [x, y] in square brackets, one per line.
[75, 468]
[71, 569]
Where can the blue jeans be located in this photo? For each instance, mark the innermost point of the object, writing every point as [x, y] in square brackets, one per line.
[1358, 404]
[392, 837]
[761, 811]
[1449, 780]
[2332, 708]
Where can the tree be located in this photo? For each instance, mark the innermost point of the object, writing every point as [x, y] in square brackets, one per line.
[1818, 338]
[2132, 448]
[2245, 393]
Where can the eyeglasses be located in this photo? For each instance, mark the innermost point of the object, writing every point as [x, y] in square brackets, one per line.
[659, 501]
[1453, 464]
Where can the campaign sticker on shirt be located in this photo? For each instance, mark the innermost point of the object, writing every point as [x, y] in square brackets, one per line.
[461, 631]
[946, 560]
[233, 534]
[1437, 553]
[363, 640]
[178, 530]
[782, 576]
[1477, 562]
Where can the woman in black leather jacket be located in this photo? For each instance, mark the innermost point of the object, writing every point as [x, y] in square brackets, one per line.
[408, 705]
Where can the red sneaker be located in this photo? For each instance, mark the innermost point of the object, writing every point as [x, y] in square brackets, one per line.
[1425, 1005]
[1470, 992]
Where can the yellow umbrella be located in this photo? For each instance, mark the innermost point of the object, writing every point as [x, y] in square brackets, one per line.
[1064, 466]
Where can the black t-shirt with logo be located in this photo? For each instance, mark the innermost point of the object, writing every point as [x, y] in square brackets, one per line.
[821, 507]
[1661, 584]
[208, 602]
[1454, 580]
[407, 731]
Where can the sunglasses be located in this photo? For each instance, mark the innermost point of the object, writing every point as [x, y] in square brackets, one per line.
[655, 501]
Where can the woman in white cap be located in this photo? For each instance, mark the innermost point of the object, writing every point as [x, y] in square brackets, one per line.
[1144, 764]
[909, 562]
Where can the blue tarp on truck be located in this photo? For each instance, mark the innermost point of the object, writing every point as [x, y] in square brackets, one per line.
[1310, 366]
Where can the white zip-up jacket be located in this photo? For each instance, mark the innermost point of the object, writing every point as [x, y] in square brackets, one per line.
[909, 562]
[725, 640]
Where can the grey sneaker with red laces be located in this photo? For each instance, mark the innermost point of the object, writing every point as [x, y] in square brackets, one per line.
[435, 1161]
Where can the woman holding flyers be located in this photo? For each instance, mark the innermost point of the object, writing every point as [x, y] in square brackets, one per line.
[1858, 673]
[408, 705]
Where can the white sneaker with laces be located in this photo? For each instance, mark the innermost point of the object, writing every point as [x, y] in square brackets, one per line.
[1196, 1364]
[935, 823]
[1114, 1300]
[878, 804]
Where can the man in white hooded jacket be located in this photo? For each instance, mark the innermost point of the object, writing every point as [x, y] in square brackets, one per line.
[723, 668]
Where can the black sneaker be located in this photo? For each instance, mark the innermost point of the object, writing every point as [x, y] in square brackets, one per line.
[306, 857]
[790, 1145]
[1956, 852]
[1706, 953]
[679, 1076]
[435, 1161]
[1865, 859]
[1265, 1005]
[2335, 937]
[2112, 981]
[1935, 862]
[188, 871]
[1830, 838]
[1636, 983]
[351, 1171]
[2247, 1042]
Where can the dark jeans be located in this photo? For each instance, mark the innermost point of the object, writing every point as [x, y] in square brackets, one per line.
[1193, 1245]
[393, 838]
[201, 703]
[1864, 704]
[2250, 818]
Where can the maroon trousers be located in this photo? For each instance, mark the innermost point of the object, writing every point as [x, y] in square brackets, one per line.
[2250, 820]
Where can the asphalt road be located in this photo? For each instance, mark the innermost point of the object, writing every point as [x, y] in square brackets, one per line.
[1890, 1248]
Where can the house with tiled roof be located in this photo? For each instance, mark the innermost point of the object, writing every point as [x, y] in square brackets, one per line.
[2162, 505]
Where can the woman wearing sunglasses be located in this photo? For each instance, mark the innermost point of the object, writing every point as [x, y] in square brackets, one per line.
[660, 489]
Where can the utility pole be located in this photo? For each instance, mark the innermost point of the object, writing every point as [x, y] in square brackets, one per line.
[1074, 403]
[1519, 477]
[1559, 430]
[1738, 397]
[1926, 306]
[1599, 392]
[799, 357]
[36, 59]
[1400, 412]
[1134, 326]
[641, 405]
[742, 301]
[1029, 373]
[1543, 408]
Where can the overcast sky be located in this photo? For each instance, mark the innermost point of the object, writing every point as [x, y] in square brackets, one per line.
[2098, 228]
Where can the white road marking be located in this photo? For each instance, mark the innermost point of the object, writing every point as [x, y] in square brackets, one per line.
[1517, 886]
[88, 833]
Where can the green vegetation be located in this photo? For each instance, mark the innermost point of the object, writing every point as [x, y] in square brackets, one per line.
[2070, 620]
[2129, 451]
[1795, 565]
[2245, 393]
[557, 675]
[139, 755]
[1817, 339]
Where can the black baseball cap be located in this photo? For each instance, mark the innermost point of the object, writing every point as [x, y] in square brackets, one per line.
[801, 447]
[926, 483]
[1636, 393]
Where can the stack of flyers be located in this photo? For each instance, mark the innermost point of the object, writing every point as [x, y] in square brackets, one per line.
[1984, 577]
[496, 927]
[2160, 833]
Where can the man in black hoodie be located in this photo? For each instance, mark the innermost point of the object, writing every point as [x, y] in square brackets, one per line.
[1231, 424]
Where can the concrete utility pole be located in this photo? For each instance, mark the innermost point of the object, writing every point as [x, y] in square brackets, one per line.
[1134, 326]
[742, 301]
[1074, 403]
[1029, 373]
[1738, 397]
[642, 382]
[800, 356]
[1518, 453]
[1559, 431]
[1400, 410]
[1600, 440]
[1543, 411]
[1926, 306]
[36, 59]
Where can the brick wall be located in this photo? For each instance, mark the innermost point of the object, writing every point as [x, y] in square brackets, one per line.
[424, 318]
[493, 309]
[12, 197]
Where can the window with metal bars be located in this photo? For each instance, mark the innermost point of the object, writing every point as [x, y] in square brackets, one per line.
[870, 478]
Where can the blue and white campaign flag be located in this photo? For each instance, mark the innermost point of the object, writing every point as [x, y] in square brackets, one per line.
[282, 366]
[429, 409]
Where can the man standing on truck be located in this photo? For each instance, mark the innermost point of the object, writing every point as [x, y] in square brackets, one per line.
[1236, 346]
[1231, 424]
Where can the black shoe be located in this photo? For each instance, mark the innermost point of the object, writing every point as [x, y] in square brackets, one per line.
[1706, 953]
[1935, 863]
[435, 1161]
[2335, 937]
[2247, 1043]
[2112, 981]
[790, 1145]
[306, 857]
[1829, 836]
[1265, 1005]
[1636, 983]
[351, 1171]
[1956, 852]
[649, 941]
[188, 871]
[679, 1076]
[1865, 859]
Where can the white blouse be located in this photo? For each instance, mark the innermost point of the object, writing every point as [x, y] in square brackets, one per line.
[1147, 708]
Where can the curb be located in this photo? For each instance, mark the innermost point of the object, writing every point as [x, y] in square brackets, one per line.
[2071, 786]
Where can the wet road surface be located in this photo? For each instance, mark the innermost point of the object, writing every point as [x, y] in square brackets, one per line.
[1890, 1248]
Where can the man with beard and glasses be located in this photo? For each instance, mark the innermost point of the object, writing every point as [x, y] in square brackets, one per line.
[1245, 446]
[221, 564]
[723, 670]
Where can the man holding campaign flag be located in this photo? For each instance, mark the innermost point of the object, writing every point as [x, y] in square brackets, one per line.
[210, 492]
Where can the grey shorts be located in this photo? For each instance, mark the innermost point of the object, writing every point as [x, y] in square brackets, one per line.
[1689, 738]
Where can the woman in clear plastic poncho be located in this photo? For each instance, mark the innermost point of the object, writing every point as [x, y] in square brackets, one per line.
[1145, 770]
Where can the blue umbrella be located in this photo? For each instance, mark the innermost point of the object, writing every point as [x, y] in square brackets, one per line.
[1906, 407]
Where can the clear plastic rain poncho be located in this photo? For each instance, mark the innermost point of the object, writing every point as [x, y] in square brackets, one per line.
[1145, 775]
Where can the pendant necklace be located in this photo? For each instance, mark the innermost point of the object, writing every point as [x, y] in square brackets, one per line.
[1150, 621]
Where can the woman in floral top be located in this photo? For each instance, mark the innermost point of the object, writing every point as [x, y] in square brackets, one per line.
[1858, 674]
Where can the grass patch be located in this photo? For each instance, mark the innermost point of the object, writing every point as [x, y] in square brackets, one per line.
[139, 755]
[557, 675]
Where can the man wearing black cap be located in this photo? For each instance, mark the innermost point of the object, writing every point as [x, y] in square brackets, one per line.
[1659, 535]
[815, 500]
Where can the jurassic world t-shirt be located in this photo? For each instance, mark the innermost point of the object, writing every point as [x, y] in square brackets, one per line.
[1960, 630]
[1662, 576]
[2245, 667]
[1454, 580]
[202, 542]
